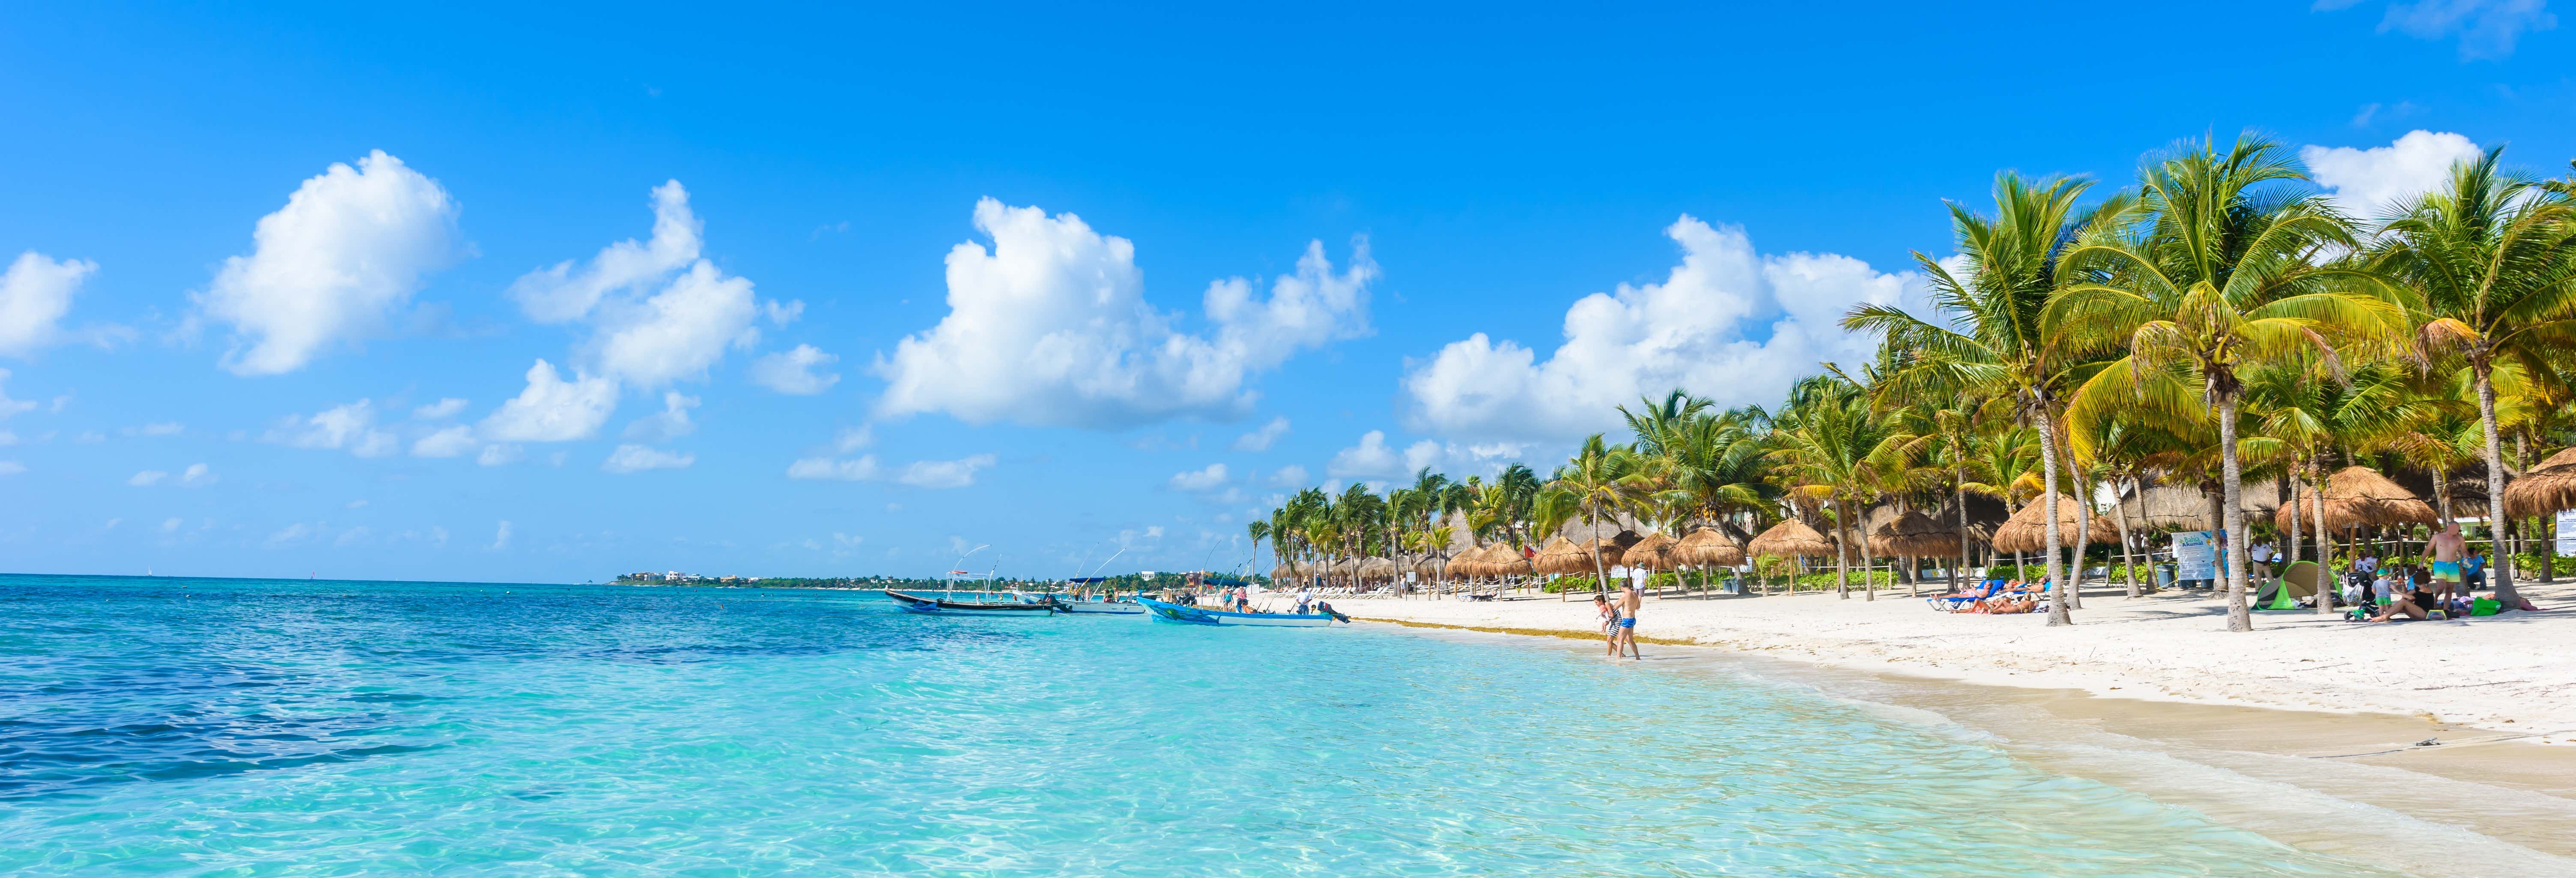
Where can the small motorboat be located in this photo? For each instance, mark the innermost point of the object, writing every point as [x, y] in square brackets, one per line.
[941, 606]
[1098, 607]
[1188, 615]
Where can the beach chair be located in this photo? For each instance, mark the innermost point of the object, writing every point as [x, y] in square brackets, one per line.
[1952, 603]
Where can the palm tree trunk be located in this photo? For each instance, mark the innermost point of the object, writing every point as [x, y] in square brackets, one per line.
[1602, 581]
[2325, 540]
[2128, 564]
[1842, 550]
[2083, 539]
[2499, 573]
[2058, 608]
[1959, 489]
[2239, 616]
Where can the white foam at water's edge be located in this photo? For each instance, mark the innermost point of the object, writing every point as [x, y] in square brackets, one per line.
[2254, 792]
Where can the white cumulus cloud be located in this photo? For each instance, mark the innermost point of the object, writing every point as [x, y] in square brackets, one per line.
[501, 539]
[552, 409]
[499, 454]
[792, 371]
[34, 295]
[659, 312]
[2370, 183]
[1727, 324]
[349, 247]
[350, 428]
[564, 293]
[1050, 327]
[1261, 439]
[1199, 479]
[1372, 457]
[670, 423]
[638, 458]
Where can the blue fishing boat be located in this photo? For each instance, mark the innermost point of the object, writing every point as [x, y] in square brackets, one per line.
[1188, 615]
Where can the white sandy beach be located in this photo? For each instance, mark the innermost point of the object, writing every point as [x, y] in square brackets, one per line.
[2510, 672]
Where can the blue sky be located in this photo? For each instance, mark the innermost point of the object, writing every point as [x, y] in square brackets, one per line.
[1054, 280]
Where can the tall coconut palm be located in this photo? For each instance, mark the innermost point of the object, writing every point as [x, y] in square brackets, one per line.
[2492, 257]
[2222, 268]
[1597, 484]
[1986, 339]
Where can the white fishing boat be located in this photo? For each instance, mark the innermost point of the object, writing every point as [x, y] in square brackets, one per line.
[1189, 615]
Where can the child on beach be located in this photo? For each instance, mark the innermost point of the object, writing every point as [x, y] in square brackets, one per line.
[1609, 622]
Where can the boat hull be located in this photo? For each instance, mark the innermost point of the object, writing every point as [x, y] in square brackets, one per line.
[930, 606]
[1185, 615]
[1098, 608]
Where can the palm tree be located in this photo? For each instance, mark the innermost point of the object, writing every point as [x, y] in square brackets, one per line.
[1258, 531]
[2220, 270]
[1842, 451]
[1996, 301]
[2492, 257]
[1600, 481]
[1943, 437]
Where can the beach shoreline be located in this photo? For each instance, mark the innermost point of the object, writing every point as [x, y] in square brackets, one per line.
[2238, 755]
[2505, 673]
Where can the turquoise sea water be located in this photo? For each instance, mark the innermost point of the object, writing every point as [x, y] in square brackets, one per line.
[244, 727]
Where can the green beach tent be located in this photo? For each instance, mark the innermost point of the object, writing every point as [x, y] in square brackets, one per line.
[2299, 580]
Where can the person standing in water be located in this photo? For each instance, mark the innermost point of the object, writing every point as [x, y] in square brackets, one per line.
[1630, 600]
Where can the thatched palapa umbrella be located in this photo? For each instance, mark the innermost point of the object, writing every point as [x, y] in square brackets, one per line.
[2358, 496]
[1561, 555]
[2027, 530]
[1915, 535]
[1710, 547]
[1654, 551]
[1790, 538]
[2542, 490]
[1503, 559]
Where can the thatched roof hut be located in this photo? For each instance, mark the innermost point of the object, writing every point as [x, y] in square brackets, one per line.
[1654, 551]
[2027, 531]
[2163, 507]
[1502, 559]
[1710, 547]
[1561, 555]
[1916, 535]
[2543, 489]
[1791, 538]
[1610, 550]
[2358, 496]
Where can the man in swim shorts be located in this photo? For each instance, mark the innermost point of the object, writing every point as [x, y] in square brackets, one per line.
[1630, 600]
[2447, 548]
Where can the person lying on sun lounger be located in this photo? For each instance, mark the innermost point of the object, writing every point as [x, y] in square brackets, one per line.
[2007, 604]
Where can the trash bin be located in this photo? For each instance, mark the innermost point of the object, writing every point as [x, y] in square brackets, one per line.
[2164, 576]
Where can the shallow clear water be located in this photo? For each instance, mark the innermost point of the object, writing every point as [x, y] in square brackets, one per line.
[294, 727]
